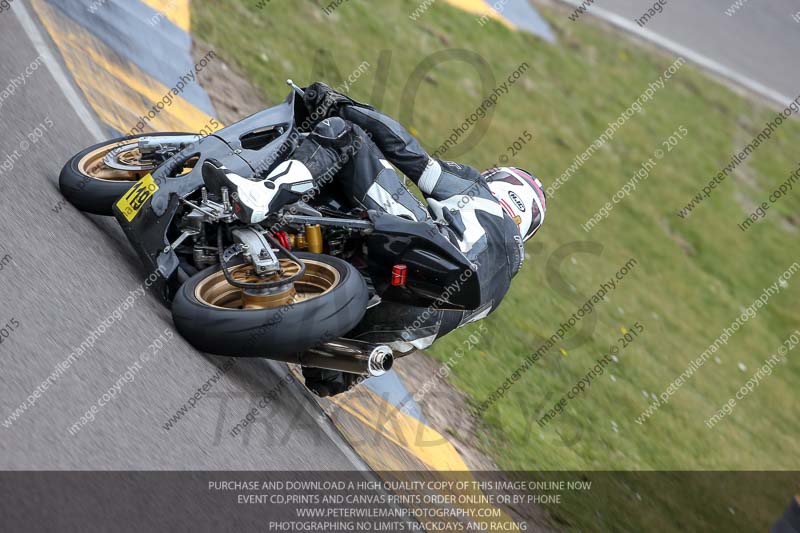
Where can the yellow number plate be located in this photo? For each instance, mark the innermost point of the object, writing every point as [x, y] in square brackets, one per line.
[130, 204]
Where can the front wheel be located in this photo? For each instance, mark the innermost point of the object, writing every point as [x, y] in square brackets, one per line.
[328, 301]
[95, 178]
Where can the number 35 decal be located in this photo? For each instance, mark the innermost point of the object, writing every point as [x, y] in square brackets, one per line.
[130, 204]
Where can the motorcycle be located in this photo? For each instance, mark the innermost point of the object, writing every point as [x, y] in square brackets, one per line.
[291, 288]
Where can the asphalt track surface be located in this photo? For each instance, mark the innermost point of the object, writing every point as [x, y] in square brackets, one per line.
[760, 41]
[67, 273]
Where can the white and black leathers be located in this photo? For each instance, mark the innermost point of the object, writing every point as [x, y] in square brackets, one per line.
[358, 148]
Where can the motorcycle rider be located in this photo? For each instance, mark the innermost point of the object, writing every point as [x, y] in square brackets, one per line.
[486, 216]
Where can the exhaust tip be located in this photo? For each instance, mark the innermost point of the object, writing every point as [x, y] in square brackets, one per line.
[381, 360]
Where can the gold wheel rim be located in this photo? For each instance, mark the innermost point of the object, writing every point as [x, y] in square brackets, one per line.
[93, 164]
[318, 279]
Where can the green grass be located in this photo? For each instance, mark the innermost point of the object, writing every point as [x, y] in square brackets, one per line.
[693, 276]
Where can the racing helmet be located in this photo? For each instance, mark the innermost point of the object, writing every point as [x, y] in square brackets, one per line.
[521, 195]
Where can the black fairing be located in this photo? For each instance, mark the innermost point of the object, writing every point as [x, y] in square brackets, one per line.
[433, 267]
[258, 144]
[149, 232]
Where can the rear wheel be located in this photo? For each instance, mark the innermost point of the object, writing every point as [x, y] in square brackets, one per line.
[95, 178]
[329, 300]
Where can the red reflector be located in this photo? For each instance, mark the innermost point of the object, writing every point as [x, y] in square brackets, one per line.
[399, 273]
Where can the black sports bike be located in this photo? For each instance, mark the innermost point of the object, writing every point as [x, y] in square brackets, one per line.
[290, 288]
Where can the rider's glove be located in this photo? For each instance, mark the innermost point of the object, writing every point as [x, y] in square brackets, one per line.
[323, 102]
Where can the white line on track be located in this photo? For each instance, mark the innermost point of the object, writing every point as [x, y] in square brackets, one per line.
[695, 57]
[78, 105]
[53, 65]
[315, 412]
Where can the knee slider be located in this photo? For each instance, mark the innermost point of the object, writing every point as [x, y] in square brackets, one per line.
[332, 132]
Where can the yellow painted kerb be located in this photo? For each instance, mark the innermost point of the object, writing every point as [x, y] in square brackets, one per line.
[407, 432]
[422, 442]
[480, 8]
[176, 11]
[116, 89]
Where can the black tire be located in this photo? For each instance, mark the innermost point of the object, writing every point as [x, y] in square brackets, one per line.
[93, 195]
[278, 332]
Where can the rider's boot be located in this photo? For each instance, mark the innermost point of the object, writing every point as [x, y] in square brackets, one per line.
[253, 200]
[333, 146]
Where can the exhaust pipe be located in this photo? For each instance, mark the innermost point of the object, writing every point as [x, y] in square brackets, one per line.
[346, 355]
